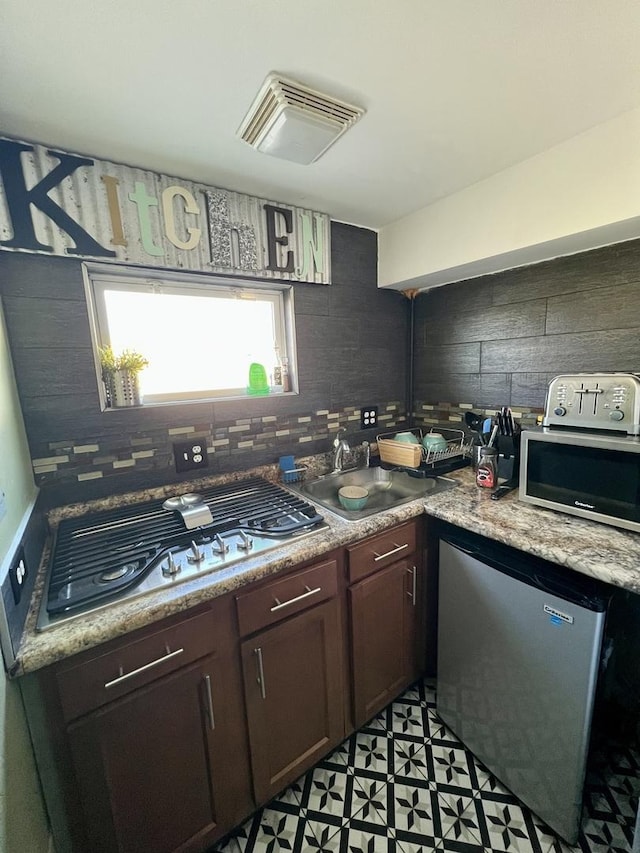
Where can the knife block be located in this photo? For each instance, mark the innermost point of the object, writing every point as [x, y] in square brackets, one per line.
[508, 447]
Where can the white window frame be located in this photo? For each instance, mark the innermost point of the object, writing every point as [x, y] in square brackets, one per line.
[101, 277]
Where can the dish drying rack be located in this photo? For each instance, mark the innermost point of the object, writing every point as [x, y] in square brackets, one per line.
[419, 461]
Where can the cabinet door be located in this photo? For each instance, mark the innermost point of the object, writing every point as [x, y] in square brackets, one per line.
[145, 765]
[293, 692]
[385, 613]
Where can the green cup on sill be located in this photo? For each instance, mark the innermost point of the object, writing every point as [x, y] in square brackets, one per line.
[258, 382]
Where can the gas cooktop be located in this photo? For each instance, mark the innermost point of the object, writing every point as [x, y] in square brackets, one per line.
[105, 558]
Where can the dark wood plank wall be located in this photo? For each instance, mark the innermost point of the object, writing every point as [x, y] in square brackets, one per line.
[351, 345]
[499, 339]
[491, 341]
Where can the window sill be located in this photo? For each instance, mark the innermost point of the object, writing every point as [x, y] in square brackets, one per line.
[154, 404]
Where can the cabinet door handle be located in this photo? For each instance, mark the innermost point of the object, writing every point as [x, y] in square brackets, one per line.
[414, 581]
[279, 606]
[263, 690]
[207, 687]
[394, 550]
[124, 676]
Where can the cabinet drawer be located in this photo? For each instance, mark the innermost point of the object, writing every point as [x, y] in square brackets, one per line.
[101, 679]
[286, 596]
[382, 550]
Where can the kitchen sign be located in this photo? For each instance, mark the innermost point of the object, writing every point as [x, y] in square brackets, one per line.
[56, 203]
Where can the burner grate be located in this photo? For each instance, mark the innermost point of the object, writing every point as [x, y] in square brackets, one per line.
[98, 546]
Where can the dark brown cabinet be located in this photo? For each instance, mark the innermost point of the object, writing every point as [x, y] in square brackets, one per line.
[168, 738]
[293, 676]
[155, 740]
[148, 762]
[387, 614]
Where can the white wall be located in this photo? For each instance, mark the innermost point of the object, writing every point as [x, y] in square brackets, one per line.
[16, 477]
[23, 825]
[578, 195]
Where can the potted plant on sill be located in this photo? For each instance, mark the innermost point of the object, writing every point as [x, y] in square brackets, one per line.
[120, 376]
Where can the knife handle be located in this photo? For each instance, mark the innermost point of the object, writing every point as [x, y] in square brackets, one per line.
[512, 426]
[500, 492]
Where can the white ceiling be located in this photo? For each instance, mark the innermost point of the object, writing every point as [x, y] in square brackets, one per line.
[455, 90]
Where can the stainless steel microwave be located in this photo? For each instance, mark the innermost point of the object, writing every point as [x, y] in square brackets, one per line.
[593, 475]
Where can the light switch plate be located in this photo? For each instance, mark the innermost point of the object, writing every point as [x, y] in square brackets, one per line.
[3, 505]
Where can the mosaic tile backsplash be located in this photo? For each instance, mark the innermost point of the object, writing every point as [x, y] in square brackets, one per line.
[427, 415]
[241, 440]
[235, 442]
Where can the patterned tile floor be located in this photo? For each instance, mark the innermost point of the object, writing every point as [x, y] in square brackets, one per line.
[405, 784]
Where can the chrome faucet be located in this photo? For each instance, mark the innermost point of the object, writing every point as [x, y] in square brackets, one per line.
[341, 446]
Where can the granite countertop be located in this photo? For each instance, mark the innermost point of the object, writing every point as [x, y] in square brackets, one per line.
[597, 550]
[608, 553]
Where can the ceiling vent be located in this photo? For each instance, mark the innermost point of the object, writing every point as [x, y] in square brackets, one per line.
[290, 121]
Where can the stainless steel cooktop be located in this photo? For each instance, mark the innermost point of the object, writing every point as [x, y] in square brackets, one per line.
[102, 559]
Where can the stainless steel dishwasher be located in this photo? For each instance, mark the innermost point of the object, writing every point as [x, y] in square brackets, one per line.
[519, 643]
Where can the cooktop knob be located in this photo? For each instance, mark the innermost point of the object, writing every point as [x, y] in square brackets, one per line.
[616, 415]
[170, 569]
[220, 547]
[247, 542]
[196, 555]
[560, 411]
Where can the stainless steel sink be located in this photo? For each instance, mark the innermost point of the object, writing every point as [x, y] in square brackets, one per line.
[387, 489]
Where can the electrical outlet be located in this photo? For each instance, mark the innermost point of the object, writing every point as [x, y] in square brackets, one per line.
[368, 417]
[190, 454]
[18, 574]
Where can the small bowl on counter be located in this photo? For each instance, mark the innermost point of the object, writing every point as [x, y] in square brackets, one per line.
[353, 498]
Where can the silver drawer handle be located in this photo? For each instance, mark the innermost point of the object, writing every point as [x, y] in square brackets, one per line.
[260, 679]
[414, 580]
[394, 550]
[278, 605]
[207, 685]
[123, 677]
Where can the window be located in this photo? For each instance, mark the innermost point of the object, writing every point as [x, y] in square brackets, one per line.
[199, 333]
